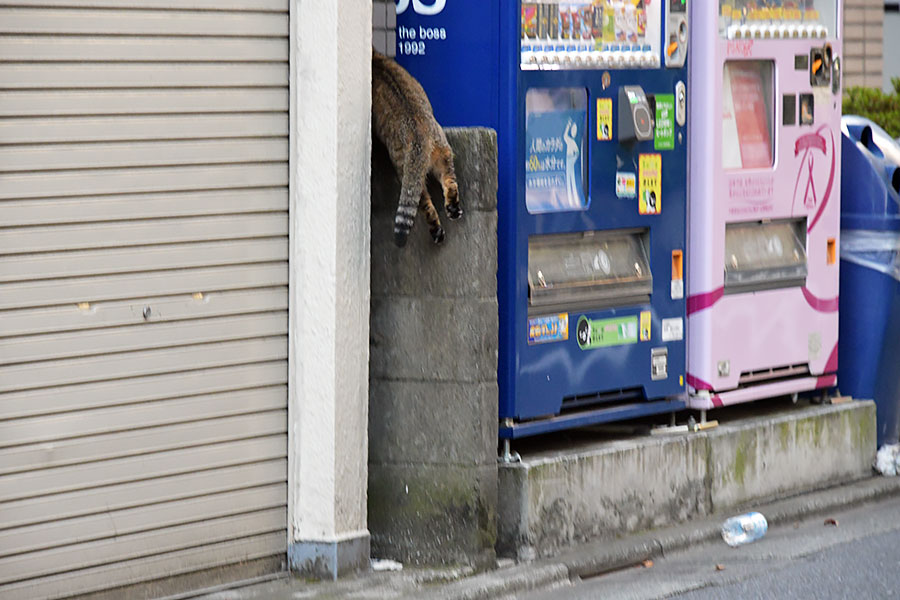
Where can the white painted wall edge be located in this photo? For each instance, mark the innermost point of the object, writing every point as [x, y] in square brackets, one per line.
[330, 147]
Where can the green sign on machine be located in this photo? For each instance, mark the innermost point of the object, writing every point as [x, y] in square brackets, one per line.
[602, 333]
[664, 136]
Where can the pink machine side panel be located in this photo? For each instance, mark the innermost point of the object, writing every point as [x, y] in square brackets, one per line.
[778, 328]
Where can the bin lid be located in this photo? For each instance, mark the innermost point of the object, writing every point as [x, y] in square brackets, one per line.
[869, 182]
[875, 138]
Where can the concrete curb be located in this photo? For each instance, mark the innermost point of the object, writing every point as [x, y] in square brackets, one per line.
[602, 557]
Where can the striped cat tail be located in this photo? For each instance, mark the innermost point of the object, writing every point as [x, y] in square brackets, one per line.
[414, 169]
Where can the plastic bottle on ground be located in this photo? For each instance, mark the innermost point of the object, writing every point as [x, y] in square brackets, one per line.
[744, 529]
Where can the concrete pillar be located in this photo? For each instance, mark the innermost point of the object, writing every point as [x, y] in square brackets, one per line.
[433, 400]
[329, 300]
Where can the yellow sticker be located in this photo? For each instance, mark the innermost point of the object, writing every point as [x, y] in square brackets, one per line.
[604, 119]
[650, 184]
[645, 326]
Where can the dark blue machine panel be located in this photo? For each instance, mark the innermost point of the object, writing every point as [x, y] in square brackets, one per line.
[466, 54]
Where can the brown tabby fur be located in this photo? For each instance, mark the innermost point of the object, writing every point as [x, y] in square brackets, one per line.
[403, 120]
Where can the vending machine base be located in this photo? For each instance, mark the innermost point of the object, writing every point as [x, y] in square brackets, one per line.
[708, 399]
[513, 430]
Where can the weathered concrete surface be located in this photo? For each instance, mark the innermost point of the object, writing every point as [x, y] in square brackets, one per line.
[777, 456]
[512, 580]
[433, 370]
[556, 498]
[560, 498]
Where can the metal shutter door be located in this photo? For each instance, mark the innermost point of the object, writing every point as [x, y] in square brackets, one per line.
[143, 293]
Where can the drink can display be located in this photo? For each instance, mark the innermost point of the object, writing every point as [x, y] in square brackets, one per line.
[565, 22]
[641, 14]
[609, 22]
[631, 28]
[597, 21]
[576, 21]
[543, 21]
[587, 22]
[553, 25]
[529, 20]
[621, 25]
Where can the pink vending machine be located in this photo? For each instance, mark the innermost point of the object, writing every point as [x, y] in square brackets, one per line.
[765, 165]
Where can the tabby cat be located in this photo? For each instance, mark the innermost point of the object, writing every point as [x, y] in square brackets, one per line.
[403, 121]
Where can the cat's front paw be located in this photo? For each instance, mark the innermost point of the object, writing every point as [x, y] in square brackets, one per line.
[437, 234]
[454, 211]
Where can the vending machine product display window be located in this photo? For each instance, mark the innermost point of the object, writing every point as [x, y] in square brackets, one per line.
[590, 34]
[777, 20]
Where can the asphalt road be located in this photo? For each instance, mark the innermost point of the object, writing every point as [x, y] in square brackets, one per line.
[858, 559]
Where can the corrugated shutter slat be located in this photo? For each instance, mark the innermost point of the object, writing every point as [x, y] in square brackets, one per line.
[143, 293]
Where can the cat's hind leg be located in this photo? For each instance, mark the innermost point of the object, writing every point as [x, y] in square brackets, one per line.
[431, 217]
[444, 172]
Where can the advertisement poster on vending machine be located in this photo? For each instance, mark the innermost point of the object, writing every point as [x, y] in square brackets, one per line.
[554, 151]
[746, 112]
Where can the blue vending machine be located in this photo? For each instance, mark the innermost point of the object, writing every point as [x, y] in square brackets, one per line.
[588, 98]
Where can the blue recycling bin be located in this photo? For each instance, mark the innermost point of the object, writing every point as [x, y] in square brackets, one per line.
[870, 271]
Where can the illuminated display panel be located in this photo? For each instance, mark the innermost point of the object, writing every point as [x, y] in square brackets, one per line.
[785, 19]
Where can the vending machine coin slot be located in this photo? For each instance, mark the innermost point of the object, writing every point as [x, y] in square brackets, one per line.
[820, 66]
[659, 364]
[836, 75]
[680, 103]
[635, 115]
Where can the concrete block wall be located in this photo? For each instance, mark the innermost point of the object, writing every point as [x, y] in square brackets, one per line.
[433, 370]
[384, 26]
[863, 59]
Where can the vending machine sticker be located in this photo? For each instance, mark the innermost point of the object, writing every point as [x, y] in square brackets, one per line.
[604, 119]
[603, 333]
[554, 328]
[664, 136]
[645, 325]
[672, 330]
[626, 185]
[650, 184]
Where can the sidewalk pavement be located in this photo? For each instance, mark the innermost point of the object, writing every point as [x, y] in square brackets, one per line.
[510, 579]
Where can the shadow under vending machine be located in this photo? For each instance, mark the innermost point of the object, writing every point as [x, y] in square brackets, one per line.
[589, 101]
[765, 170]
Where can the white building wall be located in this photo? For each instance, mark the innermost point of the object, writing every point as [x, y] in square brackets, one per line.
[329, 329]
[863, 47]
[891, 46]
